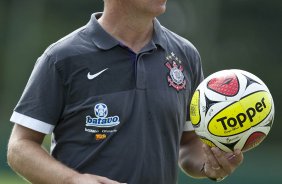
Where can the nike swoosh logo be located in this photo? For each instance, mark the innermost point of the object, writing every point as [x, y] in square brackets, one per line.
[90, 77]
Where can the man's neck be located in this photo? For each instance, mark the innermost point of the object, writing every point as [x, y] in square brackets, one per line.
[133, 31]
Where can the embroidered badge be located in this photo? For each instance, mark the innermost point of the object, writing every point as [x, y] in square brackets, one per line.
[175, 76]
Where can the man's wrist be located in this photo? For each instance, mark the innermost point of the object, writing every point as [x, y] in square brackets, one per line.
[213, 179]
[72, 179]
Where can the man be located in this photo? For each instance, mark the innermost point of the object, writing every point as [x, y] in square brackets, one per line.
[115, 95]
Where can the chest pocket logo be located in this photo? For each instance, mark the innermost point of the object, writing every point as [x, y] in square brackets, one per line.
[175, 77]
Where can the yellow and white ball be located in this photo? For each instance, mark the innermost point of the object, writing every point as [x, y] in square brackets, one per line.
[232, 109]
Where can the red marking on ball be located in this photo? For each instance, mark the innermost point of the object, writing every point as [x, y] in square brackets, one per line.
[227, 85]
[253, 140]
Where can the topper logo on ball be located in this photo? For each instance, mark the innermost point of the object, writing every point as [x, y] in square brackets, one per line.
[249, 111]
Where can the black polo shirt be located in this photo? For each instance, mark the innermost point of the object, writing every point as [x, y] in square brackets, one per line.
[113, 112]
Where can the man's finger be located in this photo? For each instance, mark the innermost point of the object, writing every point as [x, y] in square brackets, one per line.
[211, 160]
[237, 157]
[224, 162]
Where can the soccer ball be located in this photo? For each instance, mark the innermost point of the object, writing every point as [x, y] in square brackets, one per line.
[232, 109]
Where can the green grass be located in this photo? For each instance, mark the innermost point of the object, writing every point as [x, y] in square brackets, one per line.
[10, 178]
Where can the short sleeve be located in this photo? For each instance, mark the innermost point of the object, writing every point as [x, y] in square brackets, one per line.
[197, 78]
[41, 103]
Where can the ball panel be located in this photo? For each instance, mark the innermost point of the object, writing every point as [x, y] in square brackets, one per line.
[253, 140]
[230, 121]
[252, 76]
[228, 140]
[208, 142]
[212, 109]
[257, 106]
[195, 109]
[227, 85]
[254, 88]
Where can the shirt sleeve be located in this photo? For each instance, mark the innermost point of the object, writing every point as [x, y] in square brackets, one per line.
[197, 77]
[41, 103]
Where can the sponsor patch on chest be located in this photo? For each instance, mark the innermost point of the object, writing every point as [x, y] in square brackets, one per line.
[101, 124]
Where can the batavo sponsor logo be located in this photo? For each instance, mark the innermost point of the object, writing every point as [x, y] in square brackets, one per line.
[101, 120]
[242, 115]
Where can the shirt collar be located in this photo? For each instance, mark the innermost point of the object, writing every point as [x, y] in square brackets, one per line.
[98, 35]
[159, 35]
[105, 41]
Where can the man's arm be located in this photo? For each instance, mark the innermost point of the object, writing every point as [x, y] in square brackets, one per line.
[198, 160]
[29, 159]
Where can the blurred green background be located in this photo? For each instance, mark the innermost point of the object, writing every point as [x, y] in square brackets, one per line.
[243, 34]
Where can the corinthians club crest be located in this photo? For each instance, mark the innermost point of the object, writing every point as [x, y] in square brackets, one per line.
[175, 76]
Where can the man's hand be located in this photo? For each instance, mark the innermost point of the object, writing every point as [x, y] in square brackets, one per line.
[219, 164]
[199, 160]
[91, 179]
